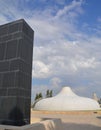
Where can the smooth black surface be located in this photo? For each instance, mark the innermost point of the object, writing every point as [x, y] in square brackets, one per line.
[16, 48]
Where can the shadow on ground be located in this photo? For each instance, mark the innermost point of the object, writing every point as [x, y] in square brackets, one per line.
[99, 117]
[73, 126]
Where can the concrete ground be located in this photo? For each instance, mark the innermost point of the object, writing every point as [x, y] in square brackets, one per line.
[71, 120]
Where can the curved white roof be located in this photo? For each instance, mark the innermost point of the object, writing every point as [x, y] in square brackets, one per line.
[67, 100]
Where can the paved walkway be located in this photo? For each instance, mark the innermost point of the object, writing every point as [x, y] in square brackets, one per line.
[73, 122]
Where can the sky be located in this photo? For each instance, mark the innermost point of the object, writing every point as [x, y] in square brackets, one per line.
[67, 43]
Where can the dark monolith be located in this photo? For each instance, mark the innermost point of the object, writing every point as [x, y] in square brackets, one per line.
[16, 48]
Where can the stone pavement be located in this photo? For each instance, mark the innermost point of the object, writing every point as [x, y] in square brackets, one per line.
[85, 121]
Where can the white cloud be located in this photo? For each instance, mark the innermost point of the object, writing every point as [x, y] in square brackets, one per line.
[55, 82]
[44, 30]
[40, 70]
[66, 58]
[81, 62]
[67, 9]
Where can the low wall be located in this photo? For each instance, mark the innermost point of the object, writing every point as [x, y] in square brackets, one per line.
[50, 124]
[86, 112]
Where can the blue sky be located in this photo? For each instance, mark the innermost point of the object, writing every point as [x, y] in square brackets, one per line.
[67, 44]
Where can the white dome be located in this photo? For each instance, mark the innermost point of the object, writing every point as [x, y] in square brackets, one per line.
[67, 100]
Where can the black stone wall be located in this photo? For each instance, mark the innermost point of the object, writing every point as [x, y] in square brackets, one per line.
[16, 48]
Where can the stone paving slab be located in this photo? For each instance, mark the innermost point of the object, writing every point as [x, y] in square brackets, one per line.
[72, 121]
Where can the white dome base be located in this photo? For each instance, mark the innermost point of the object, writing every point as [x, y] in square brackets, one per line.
[67, 100]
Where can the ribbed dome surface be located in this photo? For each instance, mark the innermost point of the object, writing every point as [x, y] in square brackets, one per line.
[67, 100]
